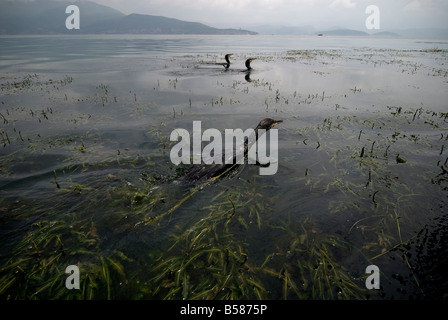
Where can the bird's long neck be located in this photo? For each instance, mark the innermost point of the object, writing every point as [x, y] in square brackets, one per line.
[248, 65]
[248, 145]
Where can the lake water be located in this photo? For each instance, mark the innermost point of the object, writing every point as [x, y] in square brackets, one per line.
[86, 177]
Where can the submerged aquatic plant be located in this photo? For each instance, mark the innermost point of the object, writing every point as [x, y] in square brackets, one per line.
[207, 261]
[37, 269]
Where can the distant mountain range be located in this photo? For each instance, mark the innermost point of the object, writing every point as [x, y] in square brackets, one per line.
[355, 33]
[48, 17]
[340, 31]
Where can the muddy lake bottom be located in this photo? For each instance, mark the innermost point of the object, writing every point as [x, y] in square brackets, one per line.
[86, 177]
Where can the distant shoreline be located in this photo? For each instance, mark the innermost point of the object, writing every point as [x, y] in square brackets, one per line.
[140, 35]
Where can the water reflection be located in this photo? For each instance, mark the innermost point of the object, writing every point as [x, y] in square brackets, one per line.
[247, 76]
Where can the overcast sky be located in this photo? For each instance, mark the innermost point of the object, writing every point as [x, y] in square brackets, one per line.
[394, 14]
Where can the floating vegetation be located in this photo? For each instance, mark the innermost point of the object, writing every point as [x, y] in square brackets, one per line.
[310, 55]
[31, 82]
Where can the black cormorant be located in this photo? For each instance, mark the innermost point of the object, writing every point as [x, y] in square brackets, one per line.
[227, 57]
[248, 61]
[201, 173]
[224, 64]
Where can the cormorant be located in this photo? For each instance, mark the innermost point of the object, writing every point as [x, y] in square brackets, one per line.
[201, 173]
[248, 61]
[224, 64]
[227, 63]
[227, 56]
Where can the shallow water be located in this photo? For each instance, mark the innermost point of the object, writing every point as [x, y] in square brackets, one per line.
[86, 178]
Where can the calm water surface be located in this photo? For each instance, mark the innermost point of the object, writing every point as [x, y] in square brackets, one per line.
[86, 178]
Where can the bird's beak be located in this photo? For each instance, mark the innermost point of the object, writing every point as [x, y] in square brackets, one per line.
[276, 122]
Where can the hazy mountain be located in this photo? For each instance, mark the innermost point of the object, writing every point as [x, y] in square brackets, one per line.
[147, 24]
[439, 33]
[48, 17]
[45, 16]
[343, 32]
